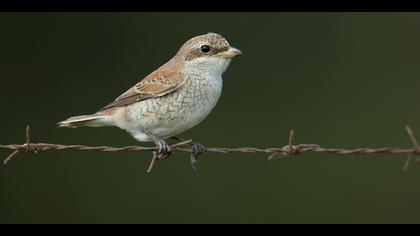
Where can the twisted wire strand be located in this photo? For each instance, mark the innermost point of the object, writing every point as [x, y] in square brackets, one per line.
[287, 150]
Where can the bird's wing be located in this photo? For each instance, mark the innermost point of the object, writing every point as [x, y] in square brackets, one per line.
[159, 83]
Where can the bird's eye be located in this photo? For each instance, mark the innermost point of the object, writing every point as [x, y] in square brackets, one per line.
[205, 48]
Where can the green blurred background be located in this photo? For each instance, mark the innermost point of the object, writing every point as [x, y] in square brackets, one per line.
[339, 79]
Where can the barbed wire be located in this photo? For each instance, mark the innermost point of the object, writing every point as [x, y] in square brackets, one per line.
[182, 147]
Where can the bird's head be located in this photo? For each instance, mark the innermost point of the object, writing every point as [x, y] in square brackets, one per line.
[209, 53]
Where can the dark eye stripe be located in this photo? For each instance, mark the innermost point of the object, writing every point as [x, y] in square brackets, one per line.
[197, 53]
[219, 50]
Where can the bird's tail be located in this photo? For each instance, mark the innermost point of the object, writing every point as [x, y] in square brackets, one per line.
[94, 120]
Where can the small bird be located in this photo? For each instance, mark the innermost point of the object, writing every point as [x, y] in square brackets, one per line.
[172, 99]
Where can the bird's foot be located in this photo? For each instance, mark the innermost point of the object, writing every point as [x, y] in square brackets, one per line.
[198, 149]
[164, 150]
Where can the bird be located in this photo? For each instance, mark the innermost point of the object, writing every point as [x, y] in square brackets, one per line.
[172, 99]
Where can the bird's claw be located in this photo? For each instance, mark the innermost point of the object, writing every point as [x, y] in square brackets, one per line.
[198, 149]
[164, 150]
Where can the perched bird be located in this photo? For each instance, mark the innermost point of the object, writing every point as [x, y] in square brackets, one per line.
[172, 99]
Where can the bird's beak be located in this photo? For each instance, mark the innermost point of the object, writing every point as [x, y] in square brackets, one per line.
[230, 53]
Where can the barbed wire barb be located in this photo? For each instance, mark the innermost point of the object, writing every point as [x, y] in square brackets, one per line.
[185, 147]
[415, 147]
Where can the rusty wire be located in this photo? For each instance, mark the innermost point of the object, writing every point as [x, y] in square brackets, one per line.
[182, 147]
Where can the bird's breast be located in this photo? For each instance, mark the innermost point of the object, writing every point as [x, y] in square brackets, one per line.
[197, 97]
[178, 111]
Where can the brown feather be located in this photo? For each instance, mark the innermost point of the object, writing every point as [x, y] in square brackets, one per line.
[159, 83]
